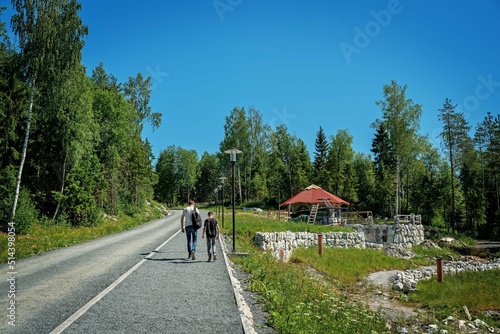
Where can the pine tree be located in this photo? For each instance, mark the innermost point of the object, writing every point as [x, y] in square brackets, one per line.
[321, 145]
[487, 139]
[455, 136]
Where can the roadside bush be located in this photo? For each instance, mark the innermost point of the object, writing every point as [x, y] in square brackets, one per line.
[93, 218]
[26, 212]
[7, 183]
[253, 204]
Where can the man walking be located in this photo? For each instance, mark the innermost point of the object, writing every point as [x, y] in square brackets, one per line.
[187, 227]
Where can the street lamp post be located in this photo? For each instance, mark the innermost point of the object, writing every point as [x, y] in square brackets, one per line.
[216, 193]
[218, 199]
[232, 154]
[222, 178]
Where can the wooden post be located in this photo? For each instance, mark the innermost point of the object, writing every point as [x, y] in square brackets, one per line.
[320, 243]
[439, 264]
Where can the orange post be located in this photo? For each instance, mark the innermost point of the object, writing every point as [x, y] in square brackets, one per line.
[320, 243]
[439, 264]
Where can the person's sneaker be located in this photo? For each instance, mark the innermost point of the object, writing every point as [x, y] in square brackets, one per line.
[189, 255]
[209, 258]
[193, 255]
[215, 257]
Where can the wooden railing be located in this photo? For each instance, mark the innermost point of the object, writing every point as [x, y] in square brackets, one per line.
[358, 217]
[409, 219]
[281, 215]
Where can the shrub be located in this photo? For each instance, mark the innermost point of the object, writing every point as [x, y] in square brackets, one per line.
[92, 218]
[26, 212]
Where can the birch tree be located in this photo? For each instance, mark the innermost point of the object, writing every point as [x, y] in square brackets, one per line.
[401, 118]
[237, 134]
[50, 35]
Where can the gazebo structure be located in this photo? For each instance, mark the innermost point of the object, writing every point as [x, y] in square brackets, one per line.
[312, 199]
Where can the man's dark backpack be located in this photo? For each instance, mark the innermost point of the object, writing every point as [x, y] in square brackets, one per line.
[211, 228]
[196, 219]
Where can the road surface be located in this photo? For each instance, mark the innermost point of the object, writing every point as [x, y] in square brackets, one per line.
[138, 281]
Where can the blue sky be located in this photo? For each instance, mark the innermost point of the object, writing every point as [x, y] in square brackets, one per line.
[303, 64]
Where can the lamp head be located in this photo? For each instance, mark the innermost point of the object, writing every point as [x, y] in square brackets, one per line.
[232, 153]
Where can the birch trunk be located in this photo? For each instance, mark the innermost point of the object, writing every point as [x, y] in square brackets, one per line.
[23, 156]
[62, 187]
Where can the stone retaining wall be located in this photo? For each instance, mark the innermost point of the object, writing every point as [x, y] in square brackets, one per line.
[281, 244]
[406, 235]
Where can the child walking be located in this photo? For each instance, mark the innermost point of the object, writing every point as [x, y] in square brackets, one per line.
[211, 229]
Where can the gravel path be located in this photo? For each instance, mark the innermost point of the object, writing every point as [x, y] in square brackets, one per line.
[168, 294]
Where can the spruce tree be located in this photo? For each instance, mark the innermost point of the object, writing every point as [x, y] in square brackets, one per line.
[321, 146]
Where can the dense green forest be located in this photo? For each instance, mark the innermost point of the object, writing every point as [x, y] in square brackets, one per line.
[71, 146]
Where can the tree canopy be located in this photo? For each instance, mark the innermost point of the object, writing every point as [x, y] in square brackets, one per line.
[72, 147]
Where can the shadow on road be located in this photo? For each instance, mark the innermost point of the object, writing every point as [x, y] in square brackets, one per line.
[175, 260]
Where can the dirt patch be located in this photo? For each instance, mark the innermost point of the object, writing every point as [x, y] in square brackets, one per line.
[375, 292]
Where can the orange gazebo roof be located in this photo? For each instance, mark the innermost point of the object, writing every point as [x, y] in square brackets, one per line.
[315, 194]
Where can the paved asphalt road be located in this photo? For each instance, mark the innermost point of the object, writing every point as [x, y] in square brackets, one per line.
[138, 281]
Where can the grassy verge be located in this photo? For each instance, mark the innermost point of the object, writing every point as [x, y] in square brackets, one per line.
[42, 238]
[298, 302]
[477, 290]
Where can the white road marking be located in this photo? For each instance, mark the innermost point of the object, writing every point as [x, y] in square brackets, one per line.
[104, 292]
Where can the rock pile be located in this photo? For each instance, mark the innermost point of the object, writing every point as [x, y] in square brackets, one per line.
[398, 251]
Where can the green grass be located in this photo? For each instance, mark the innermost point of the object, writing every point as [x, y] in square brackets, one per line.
[477, 290]
[248, 222]
[298, 304]
[433, 253]
[349, 266]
